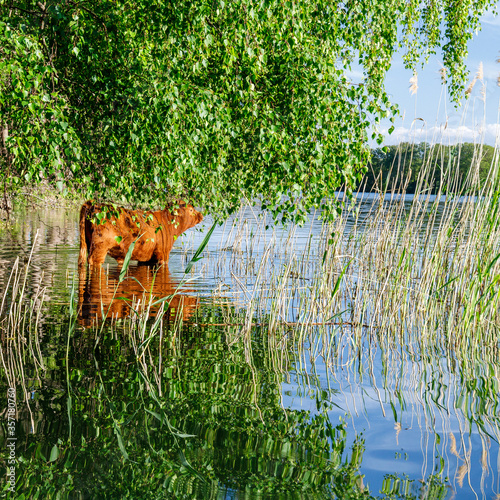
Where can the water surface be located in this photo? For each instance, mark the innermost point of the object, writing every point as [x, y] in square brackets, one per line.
[263, 419]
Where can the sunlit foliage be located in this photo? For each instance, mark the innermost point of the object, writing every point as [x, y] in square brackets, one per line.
[135, 101]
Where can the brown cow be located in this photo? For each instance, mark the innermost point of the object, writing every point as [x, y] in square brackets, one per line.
[105, 229]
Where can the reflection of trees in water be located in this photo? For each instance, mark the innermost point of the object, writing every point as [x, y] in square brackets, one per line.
[101, 293]
[197, 417]
[52, 238]
[226, 399]
[450, 404]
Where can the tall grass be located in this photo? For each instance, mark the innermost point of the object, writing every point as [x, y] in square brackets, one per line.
[20, 332]
[420, 271]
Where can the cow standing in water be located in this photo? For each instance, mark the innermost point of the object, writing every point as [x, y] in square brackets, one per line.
[105, 229]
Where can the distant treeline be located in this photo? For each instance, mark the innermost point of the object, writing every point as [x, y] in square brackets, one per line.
[451, 167]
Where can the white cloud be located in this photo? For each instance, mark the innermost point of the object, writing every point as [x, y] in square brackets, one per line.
[355, 74]
[487, 134]
[490, 19]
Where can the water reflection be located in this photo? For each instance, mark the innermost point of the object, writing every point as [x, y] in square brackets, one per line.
[425, 411]
[102, 295]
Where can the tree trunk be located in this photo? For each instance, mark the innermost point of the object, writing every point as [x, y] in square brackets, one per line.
[4, 159]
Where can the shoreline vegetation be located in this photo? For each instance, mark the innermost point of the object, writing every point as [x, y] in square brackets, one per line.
[391, 168]
[29, 196]
[448, 167]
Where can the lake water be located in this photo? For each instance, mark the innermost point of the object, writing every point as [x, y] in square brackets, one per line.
[216, 405]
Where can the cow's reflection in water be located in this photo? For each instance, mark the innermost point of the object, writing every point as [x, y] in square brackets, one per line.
[102, 295]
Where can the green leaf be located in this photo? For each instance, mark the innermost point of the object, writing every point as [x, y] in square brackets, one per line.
[339, 279]
[156, 415]
[168, 299]
[54, 454]
[121, 444]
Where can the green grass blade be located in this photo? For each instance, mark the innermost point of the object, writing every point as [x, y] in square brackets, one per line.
[204, 243]
[126, 262]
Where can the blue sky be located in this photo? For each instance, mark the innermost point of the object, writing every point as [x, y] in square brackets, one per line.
[475, 121]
